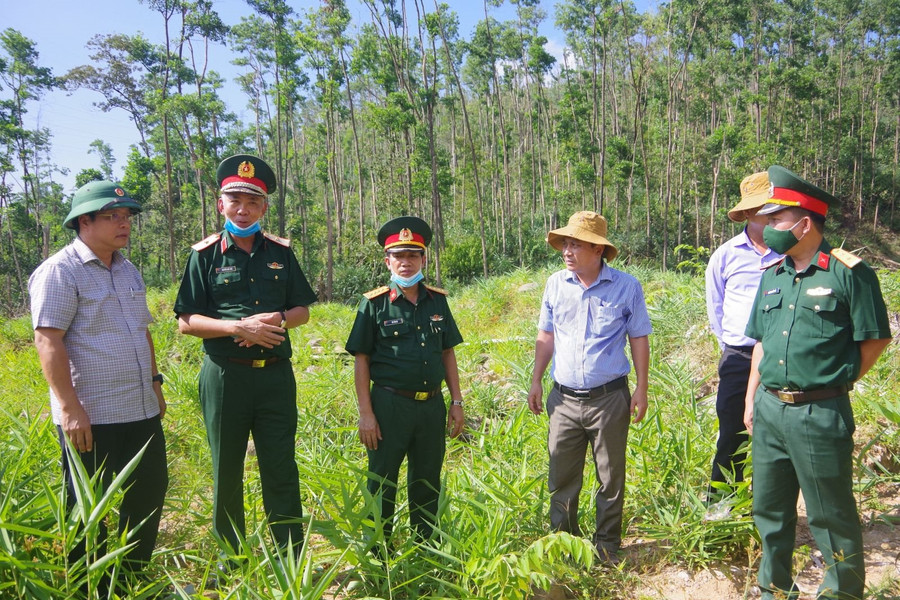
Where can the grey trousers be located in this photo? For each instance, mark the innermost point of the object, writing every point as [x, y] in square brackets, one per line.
[602, 422]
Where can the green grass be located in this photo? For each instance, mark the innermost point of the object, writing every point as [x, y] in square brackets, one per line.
[495, 540]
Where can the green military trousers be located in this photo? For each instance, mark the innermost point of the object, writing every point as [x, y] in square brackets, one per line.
[238, 400]
[416, 430]
[806, 447]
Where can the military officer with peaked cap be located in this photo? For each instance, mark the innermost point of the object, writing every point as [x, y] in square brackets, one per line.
[402, 341]
[242, 291]
[821, 323]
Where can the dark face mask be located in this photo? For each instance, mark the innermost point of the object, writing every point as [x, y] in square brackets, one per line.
[780, 240]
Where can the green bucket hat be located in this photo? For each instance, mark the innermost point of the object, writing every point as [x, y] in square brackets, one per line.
[99, 195]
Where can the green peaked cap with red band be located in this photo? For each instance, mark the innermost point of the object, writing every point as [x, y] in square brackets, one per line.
[788, 189]
[404, 233]
[245, 173]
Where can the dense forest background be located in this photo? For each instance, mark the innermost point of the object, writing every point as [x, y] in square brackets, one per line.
[650, 118]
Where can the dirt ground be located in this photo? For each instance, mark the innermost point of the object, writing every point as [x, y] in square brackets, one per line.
[881, 537]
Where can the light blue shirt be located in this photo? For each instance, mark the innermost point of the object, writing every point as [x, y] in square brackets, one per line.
[590, 325]
[732, 277]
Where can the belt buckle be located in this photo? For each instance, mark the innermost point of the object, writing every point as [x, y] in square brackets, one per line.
[258, 363]
[786, 396]
[421, 396]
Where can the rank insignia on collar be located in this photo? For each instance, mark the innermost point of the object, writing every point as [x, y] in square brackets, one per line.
[437, 317]
[819, 291]
[772, 291]
[393, 295]
[823, 260]
[275, 265]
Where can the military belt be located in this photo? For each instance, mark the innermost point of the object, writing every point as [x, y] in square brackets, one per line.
[412, 394]
[255, 363]
[606, 388]
[802, 397]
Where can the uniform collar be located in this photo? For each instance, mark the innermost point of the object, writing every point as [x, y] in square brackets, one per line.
[821, 260]
[227, 241]
[396, 293]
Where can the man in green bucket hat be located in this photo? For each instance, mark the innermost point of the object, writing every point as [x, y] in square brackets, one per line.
[90, 318]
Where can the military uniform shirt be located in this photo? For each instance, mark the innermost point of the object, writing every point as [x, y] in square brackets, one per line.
[809, 323]
[224, 282]
[404, 340]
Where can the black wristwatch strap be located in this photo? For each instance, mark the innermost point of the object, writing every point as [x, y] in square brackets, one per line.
[158, 377]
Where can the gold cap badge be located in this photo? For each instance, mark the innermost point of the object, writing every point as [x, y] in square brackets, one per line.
[246, 169]
[406, 235]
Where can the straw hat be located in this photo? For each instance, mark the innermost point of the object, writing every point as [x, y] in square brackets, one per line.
[585, 226]
[755, 190]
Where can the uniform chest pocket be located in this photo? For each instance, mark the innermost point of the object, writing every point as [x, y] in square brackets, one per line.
[274, 285]
[394, 329]
[822, 315]
[229, 287]
[770, 308]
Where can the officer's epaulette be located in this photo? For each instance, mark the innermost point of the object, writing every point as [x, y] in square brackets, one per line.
[773, 264]
[436, 289]
[206, 242]
[278, 240]
[849, 259]
[376, 292]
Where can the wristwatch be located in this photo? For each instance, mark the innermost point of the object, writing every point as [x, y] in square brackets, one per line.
[456, 402]
[158, 377]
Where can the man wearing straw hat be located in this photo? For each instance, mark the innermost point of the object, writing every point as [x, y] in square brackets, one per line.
[732, 278]
[821, 323]
[589, 310]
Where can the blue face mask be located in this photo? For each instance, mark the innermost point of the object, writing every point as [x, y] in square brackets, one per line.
[241, 231]
[407, 282]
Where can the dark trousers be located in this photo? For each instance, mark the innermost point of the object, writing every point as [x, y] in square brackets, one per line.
[145, 489]
[809, 448]
[601, 422]
[415, 430]
[238, 400]
[734, 371]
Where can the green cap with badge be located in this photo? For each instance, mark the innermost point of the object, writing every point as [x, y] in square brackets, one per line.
[788, 190]
[245, 173]
[404, 233]
[99, 195]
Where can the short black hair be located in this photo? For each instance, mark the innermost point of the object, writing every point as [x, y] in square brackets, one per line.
[77, 226]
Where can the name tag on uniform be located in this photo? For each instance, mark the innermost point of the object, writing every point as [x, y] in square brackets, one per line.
[230, 269]
[819, 291]
[275, 265]
[774, 291]
[390, 322]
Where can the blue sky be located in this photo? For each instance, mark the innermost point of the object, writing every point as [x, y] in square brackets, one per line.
[61, 30]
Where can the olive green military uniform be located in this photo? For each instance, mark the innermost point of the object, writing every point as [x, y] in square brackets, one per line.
[248, 390]
[405, 342]
[809, 324]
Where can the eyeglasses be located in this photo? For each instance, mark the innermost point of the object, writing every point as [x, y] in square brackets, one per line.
[116, 217]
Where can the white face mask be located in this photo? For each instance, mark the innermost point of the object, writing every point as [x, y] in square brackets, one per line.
[407, 281]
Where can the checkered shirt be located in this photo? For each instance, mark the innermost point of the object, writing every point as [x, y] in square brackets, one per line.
[104, 314]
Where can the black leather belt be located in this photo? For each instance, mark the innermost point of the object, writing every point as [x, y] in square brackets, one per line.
[802, 397]
[411, 394]
[255, 363]
[615, 384]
